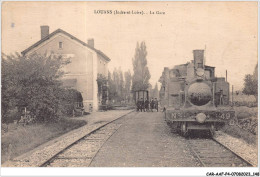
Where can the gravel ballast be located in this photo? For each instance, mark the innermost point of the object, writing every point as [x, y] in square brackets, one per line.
[43, 153]
[238, 146]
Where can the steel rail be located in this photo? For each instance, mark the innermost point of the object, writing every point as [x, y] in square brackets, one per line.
[48, 161]
[203, 163]
[246, 161]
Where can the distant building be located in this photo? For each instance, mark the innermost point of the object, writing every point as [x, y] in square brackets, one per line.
[86, 62]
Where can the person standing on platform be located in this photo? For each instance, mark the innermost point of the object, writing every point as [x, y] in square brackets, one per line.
[138, 105]
[152, 105]
[142, 105]
[156, 104]
[146, 103]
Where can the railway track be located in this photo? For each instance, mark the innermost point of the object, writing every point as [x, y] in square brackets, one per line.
[212, 154]
[82, 152]
[208, 152]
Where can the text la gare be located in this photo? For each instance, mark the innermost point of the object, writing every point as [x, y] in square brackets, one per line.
[157, 12]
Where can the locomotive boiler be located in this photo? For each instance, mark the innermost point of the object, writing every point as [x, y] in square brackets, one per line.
[193, 98]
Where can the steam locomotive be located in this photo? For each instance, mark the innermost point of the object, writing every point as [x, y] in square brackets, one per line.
[193, 98]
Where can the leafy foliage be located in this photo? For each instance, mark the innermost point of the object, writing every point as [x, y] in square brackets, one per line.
[119, 86]
[141, 74]
[32, 82]
[70, 99]
[101, 81]
[112, 94]
[154, 93]
[128, 83]
[118, 83]
[102, 88]
[251, 83]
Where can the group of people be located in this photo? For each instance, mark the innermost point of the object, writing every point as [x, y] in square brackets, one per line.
[146, 105]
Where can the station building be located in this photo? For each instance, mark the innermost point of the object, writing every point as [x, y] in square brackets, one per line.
[86, 62]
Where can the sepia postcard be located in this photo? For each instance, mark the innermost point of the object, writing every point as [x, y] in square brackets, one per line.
[129, 84]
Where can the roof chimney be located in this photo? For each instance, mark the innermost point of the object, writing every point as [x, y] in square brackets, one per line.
[44, 31]
[91, 42]
[198, 58]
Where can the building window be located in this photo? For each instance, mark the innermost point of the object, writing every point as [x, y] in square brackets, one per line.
[60, 45]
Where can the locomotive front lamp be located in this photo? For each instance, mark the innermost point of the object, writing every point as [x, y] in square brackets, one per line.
[200, 72]
[201, 117]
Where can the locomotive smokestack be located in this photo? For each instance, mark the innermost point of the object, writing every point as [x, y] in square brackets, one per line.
[198, 58]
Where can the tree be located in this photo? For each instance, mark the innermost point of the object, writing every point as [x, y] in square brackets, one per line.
[101, 82]
[111, 87]
[251, 83]
[69, 100]
[141, 76]
[32, 82]
[150, 90]
[116, 84]
[255, 74]
[128, 83]
[121, 86]
[156, 91]
[102, 88]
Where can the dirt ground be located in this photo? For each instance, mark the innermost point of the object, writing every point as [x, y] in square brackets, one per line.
[145, 140]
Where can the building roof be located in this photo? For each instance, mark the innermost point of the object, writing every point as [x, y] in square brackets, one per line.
[206, 66]
[69, 35]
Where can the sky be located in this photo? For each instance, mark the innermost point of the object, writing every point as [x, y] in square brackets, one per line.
[227, 30]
